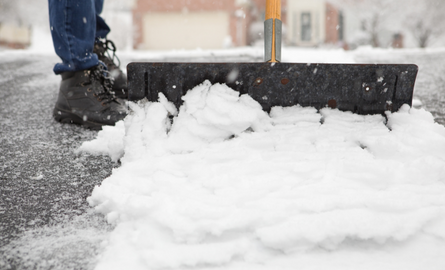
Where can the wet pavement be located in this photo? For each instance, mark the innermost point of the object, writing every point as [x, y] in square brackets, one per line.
[43, 183]
[45, 221]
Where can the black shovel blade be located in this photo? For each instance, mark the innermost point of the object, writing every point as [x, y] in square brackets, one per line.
[359, 88]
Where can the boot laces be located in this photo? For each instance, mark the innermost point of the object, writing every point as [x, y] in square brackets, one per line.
[108, 50]
[103, 76]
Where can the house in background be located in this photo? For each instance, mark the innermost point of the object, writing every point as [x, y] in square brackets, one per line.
[314, 22]
[15, 36]
[191, 24]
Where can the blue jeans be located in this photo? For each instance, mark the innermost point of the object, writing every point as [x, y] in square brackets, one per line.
[75, 25]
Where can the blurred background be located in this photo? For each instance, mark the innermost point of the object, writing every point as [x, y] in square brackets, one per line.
[218, 24]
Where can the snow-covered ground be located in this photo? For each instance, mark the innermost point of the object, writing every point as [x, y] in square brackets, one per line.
[223, 185]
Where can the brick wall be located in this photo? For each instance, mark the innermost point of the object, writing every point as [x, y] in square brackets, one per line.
[332, 23]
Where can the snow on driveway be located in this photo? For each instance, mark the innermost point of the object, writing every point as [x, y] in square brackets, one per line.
[237, 190]
[226, 186]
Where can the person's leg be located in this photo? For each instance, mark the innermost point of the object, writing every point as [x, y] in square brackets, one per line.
[85, 96]
[73, 28]
[102, 29]
[99, 5]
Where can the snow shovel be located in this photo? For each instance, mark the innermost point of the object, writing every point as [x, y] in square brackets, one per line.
[359, 88]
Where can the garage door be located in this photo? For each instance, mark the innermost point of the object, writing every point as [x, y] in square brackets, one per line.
[188, 30]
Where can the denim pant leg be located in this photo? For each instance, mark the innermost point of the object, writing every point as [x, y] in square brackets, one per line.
[73, 29]
[102, 28]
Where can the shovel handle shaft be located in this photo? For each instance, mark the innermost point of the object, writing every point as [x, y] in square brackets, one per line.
[273, 9]
[272, 31]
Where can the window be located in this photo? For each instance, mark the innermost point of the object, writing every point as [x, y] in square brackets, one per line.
[306, 26]
[341, 24]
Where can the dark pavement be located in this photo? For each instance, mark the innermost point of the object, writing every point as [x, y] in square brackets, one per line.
[42, 182]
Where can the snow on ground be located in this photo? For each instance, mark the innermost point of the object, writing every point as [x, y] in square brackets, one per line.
[69, 244]
[227, 186]
[240, 54]
[223, 185]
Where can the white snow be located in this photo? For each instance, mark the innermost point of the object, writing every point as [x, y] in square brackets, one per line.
[289, 54]
[223, 185]
[41, 41]
[69, 244]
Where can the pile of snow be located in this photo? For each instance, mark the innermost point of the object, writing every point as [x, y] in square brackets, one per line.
[222, 184]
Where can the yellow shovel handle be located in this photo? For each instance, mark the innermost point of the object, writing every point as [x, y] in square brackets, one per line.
[273, 11]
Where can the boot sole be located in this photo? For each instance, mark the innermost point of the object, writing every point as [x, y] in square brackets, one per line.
[66, 117]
